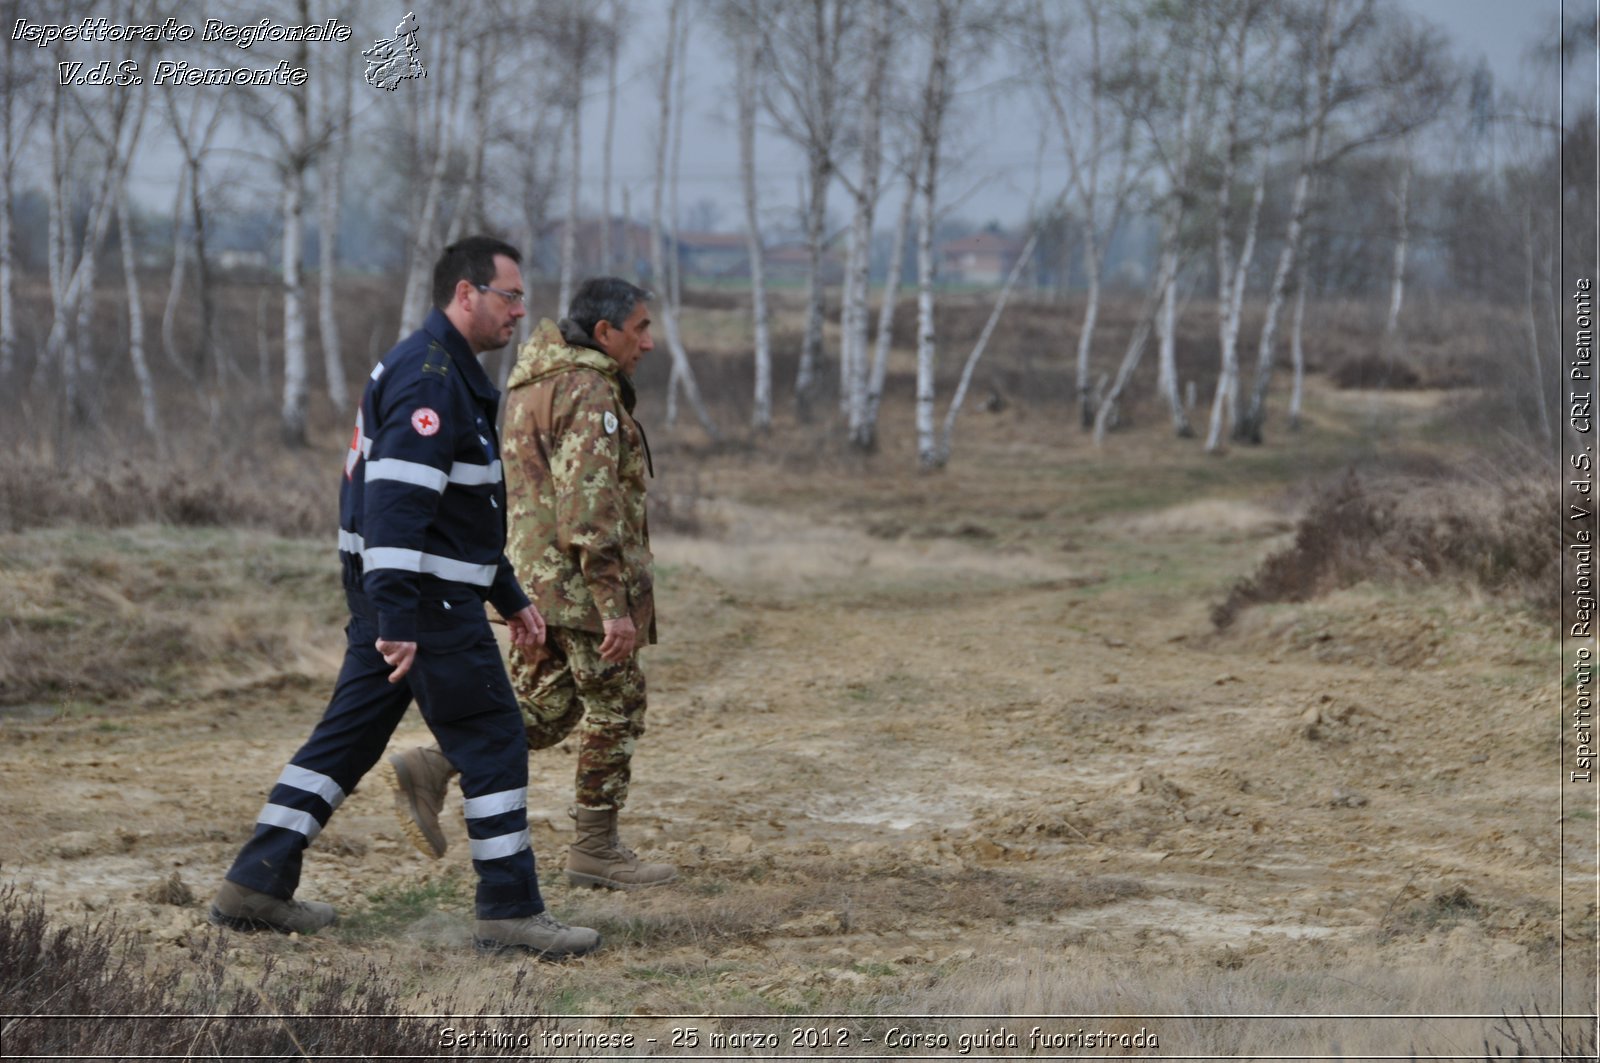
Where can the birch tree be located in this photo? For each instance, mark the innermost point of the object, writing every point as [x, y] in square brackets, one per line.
[854, 371]
[658, 272]
[867, 437]
[1248, 134]
[433, 123]
[1104, 151]
[947, 435]
[619, 18]
[804, 96]
[100, 141]
[575, 36]
[19, 81]
[1169, 107]
[136, 352]
[336, 103]
[1346, 47]
[930, 126]
[741, 23]
[194, 130]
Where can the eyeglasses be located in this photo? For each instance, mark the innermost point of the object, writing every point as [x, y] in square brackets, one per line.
[514, 298]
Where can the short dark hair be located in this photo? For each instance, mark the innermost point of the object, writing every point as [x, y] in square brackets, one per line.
[604, 299]
[471, 260]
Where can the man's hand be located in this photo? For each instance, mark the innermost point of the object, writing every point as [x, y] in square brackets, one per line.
[398, 655]
[527, 628]
[621, 638]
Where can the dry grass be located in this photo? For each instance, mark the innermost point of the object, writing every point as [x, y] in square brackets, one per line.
[111, 1005]
[1213, 1011]
[126, 615]
[1492, 535]
[1096, 563]
[121, 492]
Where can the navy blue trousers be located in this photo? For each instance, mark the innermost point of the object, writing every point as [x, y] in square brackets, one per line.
[458, 680]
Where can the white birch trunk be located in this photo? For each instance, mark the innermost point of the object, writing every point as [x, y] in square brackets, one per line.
[468, 213]
[8, 153]
[569, 231]
[329, 202]
[948, 435]
[1297, 352]
[293, 412]
[609, 142]
[73, 284]
[805, 382]
[867, 437]
[1225, 403]
[746, 90]
[55, 239]
[663, 305]
[1091, 314]
[136, 356]
[1130, 360]
[1249, 426]
[854, 346]
[847, 321]
[935, 97]
[1531, 319]
[193, 143]
[1397, 272]
[1167, 328]
[421, 253]
[180, 261]
[1166, 339]
[1141, 336]
[674, 281]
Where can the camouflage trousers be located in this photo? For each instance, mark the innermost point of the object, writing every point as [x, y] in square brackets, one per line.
[570, 683]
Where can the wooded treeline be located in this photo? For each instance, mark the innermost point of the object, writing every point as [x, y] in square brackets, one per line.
[1268, 151]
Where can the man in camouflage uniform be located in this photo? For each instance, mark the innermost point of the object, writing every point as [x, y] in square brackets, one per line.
[575, 464]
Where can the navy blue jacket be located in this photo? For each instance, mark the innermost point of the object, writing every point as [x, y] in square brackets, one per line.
[422, 510]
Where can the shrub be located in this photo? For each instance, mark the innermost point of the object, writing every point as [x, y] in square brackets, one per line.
[1375, 371]
[1495, 536]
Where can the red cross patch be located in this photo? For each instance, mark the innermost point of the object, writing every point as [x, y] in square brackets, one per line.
[425, 421]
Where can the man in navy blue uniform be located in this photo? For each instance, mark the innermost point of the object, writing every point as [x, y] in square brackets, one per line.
[422, 543]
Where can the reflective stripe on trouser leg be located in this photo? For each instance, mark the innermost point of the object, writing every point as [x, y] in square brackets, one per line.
[572, 682]
[466, 698]
[346, 743]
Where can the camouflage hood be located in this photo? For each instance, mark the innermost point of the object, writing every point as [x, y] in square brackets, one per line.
[575, 466]
[554, 348]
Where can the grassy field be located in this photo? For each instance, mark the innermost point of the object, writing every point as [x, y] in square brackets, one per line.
[953, 744]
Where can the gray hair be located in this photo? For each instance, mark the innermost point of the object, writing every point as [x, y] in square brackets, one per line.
[604, 299]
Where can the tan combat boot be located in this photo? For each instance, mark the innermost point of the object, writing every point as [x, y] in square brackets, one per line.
[241, 908]
[540, 934]
[420, 778]
[598, 858]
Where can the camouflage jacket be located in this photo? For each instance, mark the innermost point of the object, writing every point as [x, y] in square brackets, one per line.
[575, 464]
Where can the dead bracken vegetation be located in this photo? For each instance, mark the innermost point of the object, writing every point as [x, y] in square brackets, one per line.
[1498, 536]
[82, 990]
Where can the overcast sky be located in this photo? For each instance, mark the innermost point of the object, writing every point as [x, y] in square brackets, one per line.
[996, 143]
[995, 178]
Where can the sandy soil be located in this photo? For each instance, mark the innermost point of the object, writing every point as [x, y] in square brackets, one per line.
[881, 754]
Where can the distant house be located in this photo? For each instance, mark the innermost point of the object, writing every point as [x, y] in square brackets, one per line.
[244, 261]
[713, 255]
[792, 262]
[630, 248]
[983, 258]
